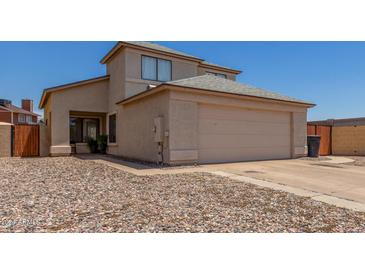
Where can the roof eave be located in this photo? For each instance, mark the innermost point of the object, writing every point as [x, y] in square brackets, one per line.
[5, 108]
[142, 94]
[69, 85]
[15, 109]
[165, 85]
[26, 113]
[111, 52]
[307, 104]
[234, 71]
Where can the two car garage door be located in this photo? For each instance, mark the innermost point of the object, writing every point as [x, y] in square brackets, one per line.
[228, 134]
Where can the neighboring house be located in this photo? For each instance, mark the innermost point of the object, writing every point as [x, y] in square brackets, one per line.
[14, 115]
[160, 105]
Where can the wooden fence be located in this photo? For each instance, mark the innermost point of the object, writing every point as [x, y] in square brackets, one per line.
[326, 139]
[26, 140]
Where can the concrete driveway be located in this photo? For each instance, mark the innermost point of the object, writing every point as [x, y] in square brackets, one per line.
[338, 180]
[339, 184]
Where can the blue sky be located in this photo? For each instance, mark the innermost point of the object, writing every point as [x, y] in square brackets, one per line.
[330, 74]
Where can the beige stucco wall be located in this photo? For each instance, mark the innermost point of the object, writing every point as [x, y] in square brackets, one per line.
[47, 114]
[181, 108]
[184, 121]
[5, 139]
[136, 136]
[348, 140]
[299, 133]
[116, 69]
[44, 140]
[134, 83]
[126, 79]
[86, 98]
[183, 131]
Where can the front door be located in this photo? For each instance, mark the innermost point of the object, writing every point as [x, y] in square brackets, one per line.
[91, 128]
[82, 129]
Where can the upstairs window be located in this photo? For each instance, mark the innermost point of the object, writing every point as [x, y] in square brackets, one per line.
[21, 118]
[149, 68]
[221, 75]
[163, 70]
[29, 119]
[156, 69]
[112, 128]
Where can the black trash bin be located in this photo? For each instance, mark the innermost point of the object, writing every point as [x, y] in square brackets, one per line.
[313, 142]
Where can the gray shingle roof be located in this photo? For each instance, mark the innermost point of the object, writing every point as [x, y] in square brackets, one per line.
[214, 83]
[160, 48]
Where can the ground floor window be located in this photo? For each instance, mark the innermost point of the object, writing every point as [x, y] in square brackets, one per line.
[112, 128]
[81, 129]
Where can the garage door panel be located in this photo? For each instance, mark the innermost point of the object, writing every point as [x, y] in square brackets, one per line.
[230, 113]
[211, 126]
[234, 134]
[241, 141]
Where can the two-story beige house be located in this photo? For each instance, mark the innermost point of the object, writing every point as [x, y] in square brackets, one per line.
[160, 105]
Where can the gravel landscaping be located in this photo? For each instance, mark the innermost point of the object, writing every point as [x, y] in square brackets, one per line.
[73, 195]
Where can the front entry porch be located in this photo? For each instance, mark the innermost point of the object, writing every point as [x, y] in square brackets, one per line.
[85, 126]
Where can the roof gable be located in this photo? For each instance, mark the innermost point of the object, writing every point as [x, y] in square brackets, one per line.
[162, 50]
[48, 91]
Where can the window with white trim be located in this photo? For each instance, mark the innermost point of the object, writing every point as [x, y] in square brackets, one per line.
[21, 118]
[29, 119]
[156, 69]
